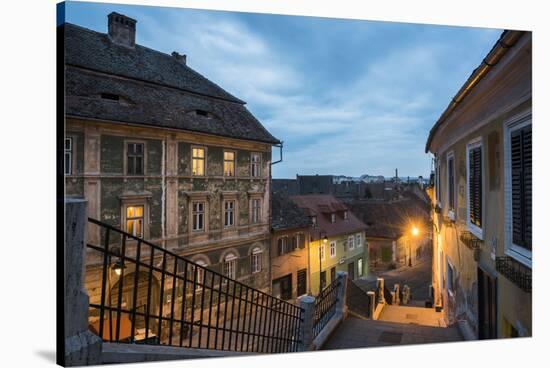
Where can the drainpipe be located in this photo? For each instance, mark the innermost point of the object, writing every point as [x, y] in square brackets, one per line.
[280, 145]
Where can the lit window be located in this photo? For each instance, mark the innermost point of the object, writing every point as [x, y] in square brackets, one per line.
[228, 163]
[229, 266]
[68, 156]
[198, 161]
[256, 211]
[255, 164]
[229, 213]
[198, 216]
[332, 249]
[134, 220]
[256, 260]
[333, 218]
[134, 158]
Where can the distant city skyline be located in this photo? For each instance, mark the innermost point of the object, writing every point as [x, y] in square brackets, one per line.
[347, 97]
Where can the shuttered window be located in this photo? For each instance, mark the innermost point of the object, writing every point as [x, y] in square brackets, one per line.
[451, 181]
[521, 170]
[475, 181]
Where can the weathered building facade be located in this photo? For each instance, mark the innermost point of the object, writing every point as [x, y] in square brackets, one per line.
[337, 240]
[483, 195]
[289, 248]
[165, 154]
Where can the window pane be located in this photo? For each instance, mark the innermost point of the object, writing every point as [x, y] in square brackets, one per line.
[229, 156]
[130, 211]
[130, 226]
[138, 211]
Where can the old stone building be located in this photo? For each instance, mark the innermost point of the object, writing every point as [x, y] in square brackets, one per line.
[289, 248]
[165, 154]
[482, 203]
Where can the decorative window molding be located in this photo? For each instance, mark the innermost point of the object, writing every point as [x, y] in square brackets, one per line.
[229, 211]
[517, 192]
[351, 242]
[230, 265]
[256, 210]
[256, 259]
[475, 186]
[135, 216]
[358, 240]
[198, 161]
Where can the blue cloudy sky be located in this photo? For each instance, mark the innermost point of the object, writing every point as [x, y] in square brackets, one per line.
[346, 96]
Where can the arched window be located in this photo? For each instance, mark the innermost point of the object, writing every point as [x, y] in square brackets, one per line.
[230, 265]
[256, 259]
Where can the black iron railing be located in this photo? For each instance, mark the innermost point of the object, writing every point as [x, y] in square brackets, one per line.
[516, 272]
[143, 293]
[325, 306]
[357, 300]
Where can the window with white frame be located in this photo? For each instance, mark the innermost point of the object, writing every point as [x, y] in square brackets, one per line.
[358, 241]
[230, 266]
[333, 218]
[229, 213]
[135, 158]
[345, 215]
[256, 210]
[134, 220]
[282, 245]
[255, 164]
[518, 188]
[360, 267]
[256, 260]
[198, 216]
[451, 184]
[351, 243]
[322, 251]
[474, 173]
[198, 160]
[229, 163]
[68, 156]
[200, 273]
[332, 249]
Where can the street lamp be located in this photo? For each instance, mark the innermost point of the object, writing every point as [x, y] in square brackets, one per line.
[325, 240]
[415, 233]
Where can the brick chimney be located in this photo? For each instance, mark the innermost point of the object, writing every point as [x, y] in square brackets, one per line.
[122, 29]
[179, 57]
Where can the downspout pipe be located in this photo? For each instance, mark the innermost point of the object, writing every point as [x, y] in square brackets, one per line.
[506, 41]
[280, 145]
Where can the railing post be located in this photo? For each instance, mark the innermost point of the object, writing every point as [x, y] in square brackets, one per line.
[82, 347]
[372, 303]
[395, 300]
[307, 303]
[380, 288]
[406, 294]
[341, 305]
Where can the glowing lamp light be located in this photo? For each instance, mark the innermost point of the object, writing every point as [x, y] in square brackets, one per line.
[325, 239]
[415, 231]
[117, 267]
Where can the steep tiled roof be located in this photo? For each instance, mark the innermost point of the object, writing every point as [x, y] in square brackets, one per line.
[155, 89]
[390, 219]
[286, 214]
[316, 205]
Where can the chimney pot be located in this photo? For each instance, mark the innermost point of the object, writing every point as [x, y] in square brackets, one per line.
[122, 29]
[179, 57]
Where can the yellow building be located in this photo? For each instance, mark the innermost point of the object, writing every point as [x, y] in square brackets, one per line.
[482, 196]
[337, 240]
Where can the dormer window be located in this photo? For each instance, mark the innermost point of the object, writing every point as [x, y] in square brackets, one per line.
[314, 220]
[110, 96]
[333, 218]
[345, 215]
[201, 113]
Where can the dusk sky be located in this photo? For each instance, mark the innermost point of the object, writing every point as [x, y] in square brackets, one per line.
[347, 97]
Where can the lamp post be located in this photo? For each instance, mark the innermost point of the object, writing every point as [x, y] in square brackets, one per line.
[324, 239]
[414, 232]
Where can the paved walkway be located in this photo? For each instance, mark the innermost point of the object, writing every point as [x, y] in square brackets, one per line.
[359, 333]
[414, 315]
